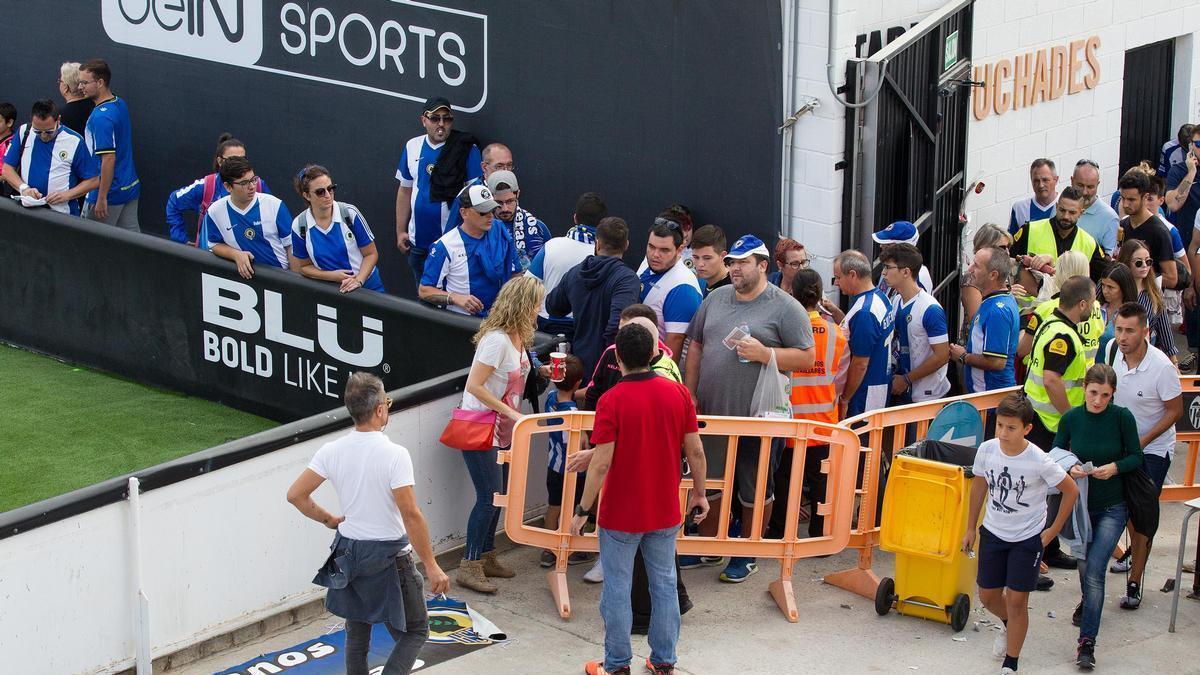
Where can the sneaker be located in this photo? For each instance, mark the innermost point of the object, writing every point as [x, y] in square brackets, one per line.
[580, 557]
[738, 570]
[1044, 583]
[660, 668]
[1077, 615]
[1133, 596]
[1000, 646]
[597, 668]
[548, 558]
[1188, 362]
[1121, 566]
[691, 562]
[1085, 656]
[596, 574]
[1062, 561]
[1007, 671]
[1189, 567]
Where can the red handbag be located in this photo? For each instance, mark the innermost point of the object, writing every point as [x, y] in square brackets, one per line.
[469, 430]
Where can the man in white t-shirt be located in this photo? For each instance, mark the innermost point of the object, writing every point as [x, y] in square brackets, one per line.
[1148, 385]
[370, 572]
[1012, 477]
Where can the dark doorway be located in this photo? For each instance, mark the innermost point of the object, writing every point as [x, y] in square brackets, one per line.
[1146, 102]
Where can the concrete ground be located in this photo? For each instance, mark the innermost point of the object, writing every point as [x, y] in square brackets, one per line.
[738, 629]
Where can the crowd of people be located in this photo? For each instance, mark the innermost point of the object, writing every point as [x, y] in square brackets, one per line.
[1079, 304]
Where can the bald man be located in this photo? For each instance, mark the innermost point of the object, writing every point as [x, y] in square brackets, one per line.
[494, 157]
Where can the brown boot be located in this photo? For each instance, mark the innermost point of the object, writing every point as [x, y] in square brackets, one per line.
[470, 575]
[493, 568]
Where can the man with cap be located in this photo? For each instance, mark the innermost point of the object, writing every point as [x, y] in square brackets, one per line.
[496, 157]
[422, 201]
[667, 283]
[902, 232]
[722, 372]
[528, 233]
[468, 265]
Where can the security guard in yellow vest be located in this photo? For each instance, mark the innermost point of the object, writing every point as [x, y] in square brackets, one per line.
[1089, 330]
[1058, 361]
[1040, 242]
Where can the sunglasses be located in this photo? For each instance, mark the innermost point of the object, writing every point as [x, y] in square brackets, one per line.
[46, 132]
[1087, 162]
[1139, 263]
[387, 400]
[438, 119]
[669, 224]
[322, 191]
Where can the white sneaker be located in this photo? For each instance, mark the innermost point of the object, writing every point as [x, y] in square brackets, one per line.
[1000, 646]
[1007, 671]
[596, 574]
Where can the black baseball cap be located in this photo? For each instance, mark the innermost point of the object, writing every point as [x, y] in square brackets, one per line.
[436, 102]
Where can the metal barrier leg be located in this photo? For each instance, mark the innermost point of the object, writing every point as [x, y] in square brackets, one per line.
[1179, 567]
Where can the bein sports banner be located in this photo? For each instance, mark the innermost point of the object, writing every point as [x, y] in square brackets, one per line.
[454, 630]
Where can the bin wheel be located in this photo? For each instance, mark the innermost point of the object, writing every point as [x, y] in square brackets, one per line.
[885, 596]
[960, 612]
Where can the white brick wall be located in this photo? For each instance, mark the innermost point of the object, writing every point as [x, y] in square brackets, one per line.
[1083, 125]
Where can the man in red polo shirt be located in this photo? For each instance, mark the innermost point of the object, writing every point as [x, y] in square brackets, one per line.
[640, 425]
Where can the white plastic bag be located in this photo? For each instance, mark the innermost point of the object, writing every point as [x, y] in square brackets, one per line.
[770, 394]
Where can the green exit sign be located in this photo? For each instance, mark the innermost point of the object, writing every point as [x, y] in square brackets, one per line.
[951, 51]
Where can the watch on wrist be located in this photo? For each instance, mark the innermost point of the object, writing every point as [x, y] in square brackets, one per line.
[963, 359]
[580, 511]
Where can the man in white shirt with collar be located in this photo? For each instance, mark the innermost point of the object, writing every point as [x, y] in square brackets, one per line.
[1148, 385]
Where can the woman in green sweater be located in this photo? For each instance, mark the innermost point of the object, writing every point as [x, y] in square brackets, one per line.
[1105, 435]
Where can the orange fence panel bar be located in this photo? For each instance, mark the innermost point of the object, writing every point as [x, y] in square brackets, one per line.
[837, 506]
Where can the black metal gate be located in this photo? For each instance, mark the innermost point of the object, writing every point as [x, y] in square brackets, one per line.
[1146, 102]
[907, 148]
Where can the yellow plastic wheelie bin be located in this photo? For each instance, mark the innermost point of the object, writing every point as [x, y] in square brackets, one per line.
[925, 510]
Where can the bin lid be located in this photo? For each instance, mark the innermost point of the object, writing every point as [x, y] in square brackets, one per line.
[941, 451]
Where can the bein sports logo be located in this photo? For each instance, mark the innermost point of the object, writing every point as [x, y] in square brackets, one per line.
[399, 48]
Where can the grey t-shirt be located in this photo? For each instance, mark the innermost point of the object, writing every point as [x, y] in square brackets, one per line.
[774, 318]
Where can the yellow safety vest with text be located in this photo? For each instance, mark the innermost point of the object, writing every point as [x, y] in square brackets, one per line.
[1089, 329]
[1051, 335]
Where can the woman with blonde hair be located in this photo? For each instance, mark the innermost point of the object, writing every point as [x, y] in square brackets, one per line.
[1136, 255]
[77, 108]
[495, 383]
[1069, 264]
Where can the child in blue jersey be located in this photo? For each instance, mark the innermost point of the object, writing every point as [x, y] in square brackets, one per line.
[332, 239]
[561, 399]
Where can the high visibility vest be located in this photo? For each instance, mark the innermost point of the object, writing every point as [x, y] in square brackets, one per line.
[1090, 329]
[814, 391]
[1035, 386]
[1042, 240]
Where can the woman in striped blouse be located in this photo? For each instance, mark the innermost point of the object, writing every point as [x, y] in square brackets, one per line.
[1136, 256]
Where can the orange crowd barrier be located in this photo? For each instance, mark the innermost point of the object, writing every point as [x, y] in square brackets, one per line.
[837, 506]
[872, 428]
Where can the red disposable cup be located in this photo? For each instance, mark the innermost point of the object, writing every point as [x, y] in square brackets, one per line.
[558, 366]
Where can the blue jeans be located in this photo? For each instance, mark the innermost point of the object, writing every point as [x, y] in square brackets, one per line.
[617, 550]
[1107, 525]
[488, 478]
[416, 262]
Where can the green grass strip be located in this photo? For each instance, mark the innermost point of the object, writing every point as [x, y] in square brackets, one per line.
[64, 427]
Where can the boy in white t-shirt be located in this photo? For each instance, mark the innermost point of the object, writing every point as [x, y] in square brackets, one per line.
[1012, 476]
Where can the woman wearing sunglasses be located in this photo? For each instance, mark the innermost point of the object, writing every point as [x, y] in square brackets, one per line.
[332, 239]
[1135, 255]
